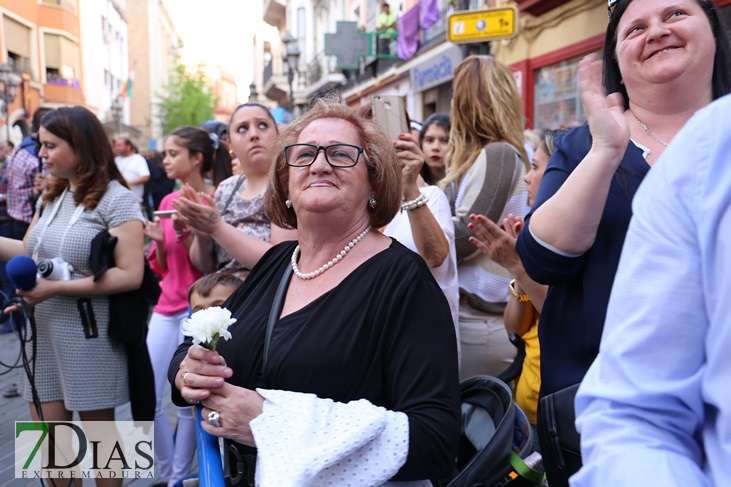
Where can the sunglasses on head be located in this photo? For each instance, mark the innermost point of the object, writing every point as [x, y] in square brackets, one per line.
[611, 4]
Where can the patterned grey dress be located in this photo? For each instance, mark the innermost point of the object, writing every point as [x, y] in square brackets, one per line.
[86, 374]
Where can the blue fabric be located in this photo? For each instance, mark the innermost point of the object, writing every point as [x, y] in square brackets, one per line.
[573, 314]
[282, 115]
[655, 406]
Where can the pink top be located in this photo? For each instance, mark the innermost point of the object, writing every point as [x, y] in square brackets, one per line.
[181, 271]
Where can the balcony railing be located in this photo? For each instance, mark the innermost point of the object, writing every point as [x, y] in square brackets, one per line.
[320, 67]
[437, 32]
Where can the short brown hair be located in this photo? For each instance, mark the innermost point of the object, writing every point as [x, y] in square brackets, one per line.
[204, 285]
[384, 173]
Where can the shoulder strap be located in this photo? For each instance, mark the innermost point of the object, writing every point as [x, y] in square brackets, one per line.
[502, 166]
[274, 313]
[233, 193]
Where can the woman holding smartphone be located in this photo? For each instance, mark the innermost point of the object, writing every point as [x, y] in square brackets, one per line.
[190, 153]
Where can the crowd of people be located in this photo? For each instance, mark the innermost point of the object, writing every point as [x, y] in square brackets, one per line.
[369, 276]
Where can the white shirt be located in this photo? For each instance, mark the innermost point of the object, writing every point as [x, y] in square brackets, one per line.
[445, 274]
[132, 167]
[655, 406]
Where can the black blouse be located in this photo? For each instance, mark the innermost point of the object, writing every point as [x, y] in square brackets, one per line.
[384, 334]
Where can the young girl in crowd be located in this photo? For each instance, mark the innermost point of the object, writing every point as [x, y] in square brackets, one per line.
[190, 153]
[434, 142]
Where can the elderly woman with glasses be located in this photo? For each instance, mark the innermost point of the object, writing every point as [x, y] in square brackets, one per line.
[662, 62]
[342, 368]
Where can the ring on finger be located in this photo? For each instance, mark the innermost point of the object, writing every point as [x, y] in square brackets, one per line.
[184, 377]
[214, 418]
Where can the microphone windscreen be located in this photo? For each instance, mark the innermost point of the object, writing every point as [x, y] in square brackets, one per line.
[21, 271]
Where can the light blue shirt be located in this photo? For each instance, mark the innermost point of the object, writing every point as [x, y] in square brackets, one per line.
[655, 406]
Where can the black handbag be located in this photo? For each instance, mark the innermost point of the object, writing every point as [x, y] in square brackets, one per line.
[560, 442]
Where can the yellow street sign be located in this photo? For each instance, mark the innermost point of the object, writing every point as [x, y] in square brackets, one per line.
[490, 24]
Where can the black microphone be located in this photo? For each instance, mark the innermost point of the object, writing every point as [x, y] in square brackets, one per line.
[21, 271]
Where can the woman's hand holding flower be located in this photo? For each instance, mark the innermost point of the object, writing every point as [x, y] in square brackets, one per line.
[201, 371]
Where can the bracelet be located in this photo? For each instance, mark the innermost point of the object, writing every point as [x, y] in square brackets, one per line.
[522, 298]
[414, 204]
[182, 234]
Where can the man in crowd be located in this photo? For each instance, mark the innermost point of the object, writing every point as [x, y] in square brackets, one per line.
[23, 173]
[132, 166]
[5, 228]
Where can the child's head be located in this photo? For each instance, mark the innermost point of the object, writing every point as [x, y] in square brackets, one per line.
[212, 290]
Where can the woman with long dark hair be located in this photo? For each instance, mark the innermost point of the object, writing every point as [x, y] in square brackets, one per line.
[77, 366]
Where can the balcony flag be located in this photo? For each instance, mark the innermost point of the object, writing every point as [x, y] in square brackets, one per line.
[429, 13]
[126, 90]
[408, 36]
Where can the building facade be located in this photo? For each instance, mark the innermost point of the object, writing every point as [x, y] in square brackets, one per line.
[552, 36]
[105, 58]
[152, 56]
[40, 41]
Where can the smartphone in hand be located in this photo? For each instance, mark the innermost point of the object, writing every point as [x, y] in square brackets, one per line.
[162, 214]
[389, 113]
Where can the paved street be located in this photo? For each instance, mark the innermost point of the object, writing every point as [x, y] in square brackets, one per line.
[16, 409]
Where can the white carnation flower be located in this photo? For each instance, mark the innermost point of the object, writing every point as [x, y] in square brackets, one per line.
[208, 325]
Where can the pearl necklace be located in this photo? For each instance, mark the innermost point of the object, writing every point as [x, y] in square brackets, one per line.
[336, 259]
[652, 136]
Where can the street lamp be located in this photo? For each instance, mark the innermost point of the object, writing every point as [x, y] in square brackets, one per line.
[9, 82]
[253, 94]
[116, 110]
[291, 57]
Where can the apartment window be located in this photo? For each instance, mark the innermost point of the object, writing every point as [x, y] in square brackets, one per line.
[68, 5]
[62, 60]
[556, 95]
[17, 43]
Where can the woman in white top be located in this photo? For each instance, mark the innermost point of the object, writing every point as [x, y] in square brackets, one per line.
[424, 223]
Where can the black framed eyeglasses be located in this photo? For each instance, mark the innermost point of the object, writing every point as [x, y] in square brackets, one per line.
[337, 155]
[611, 4]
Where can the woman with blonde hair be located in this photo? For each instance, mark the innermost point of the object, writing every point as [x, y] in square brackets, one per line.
[486, 164]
